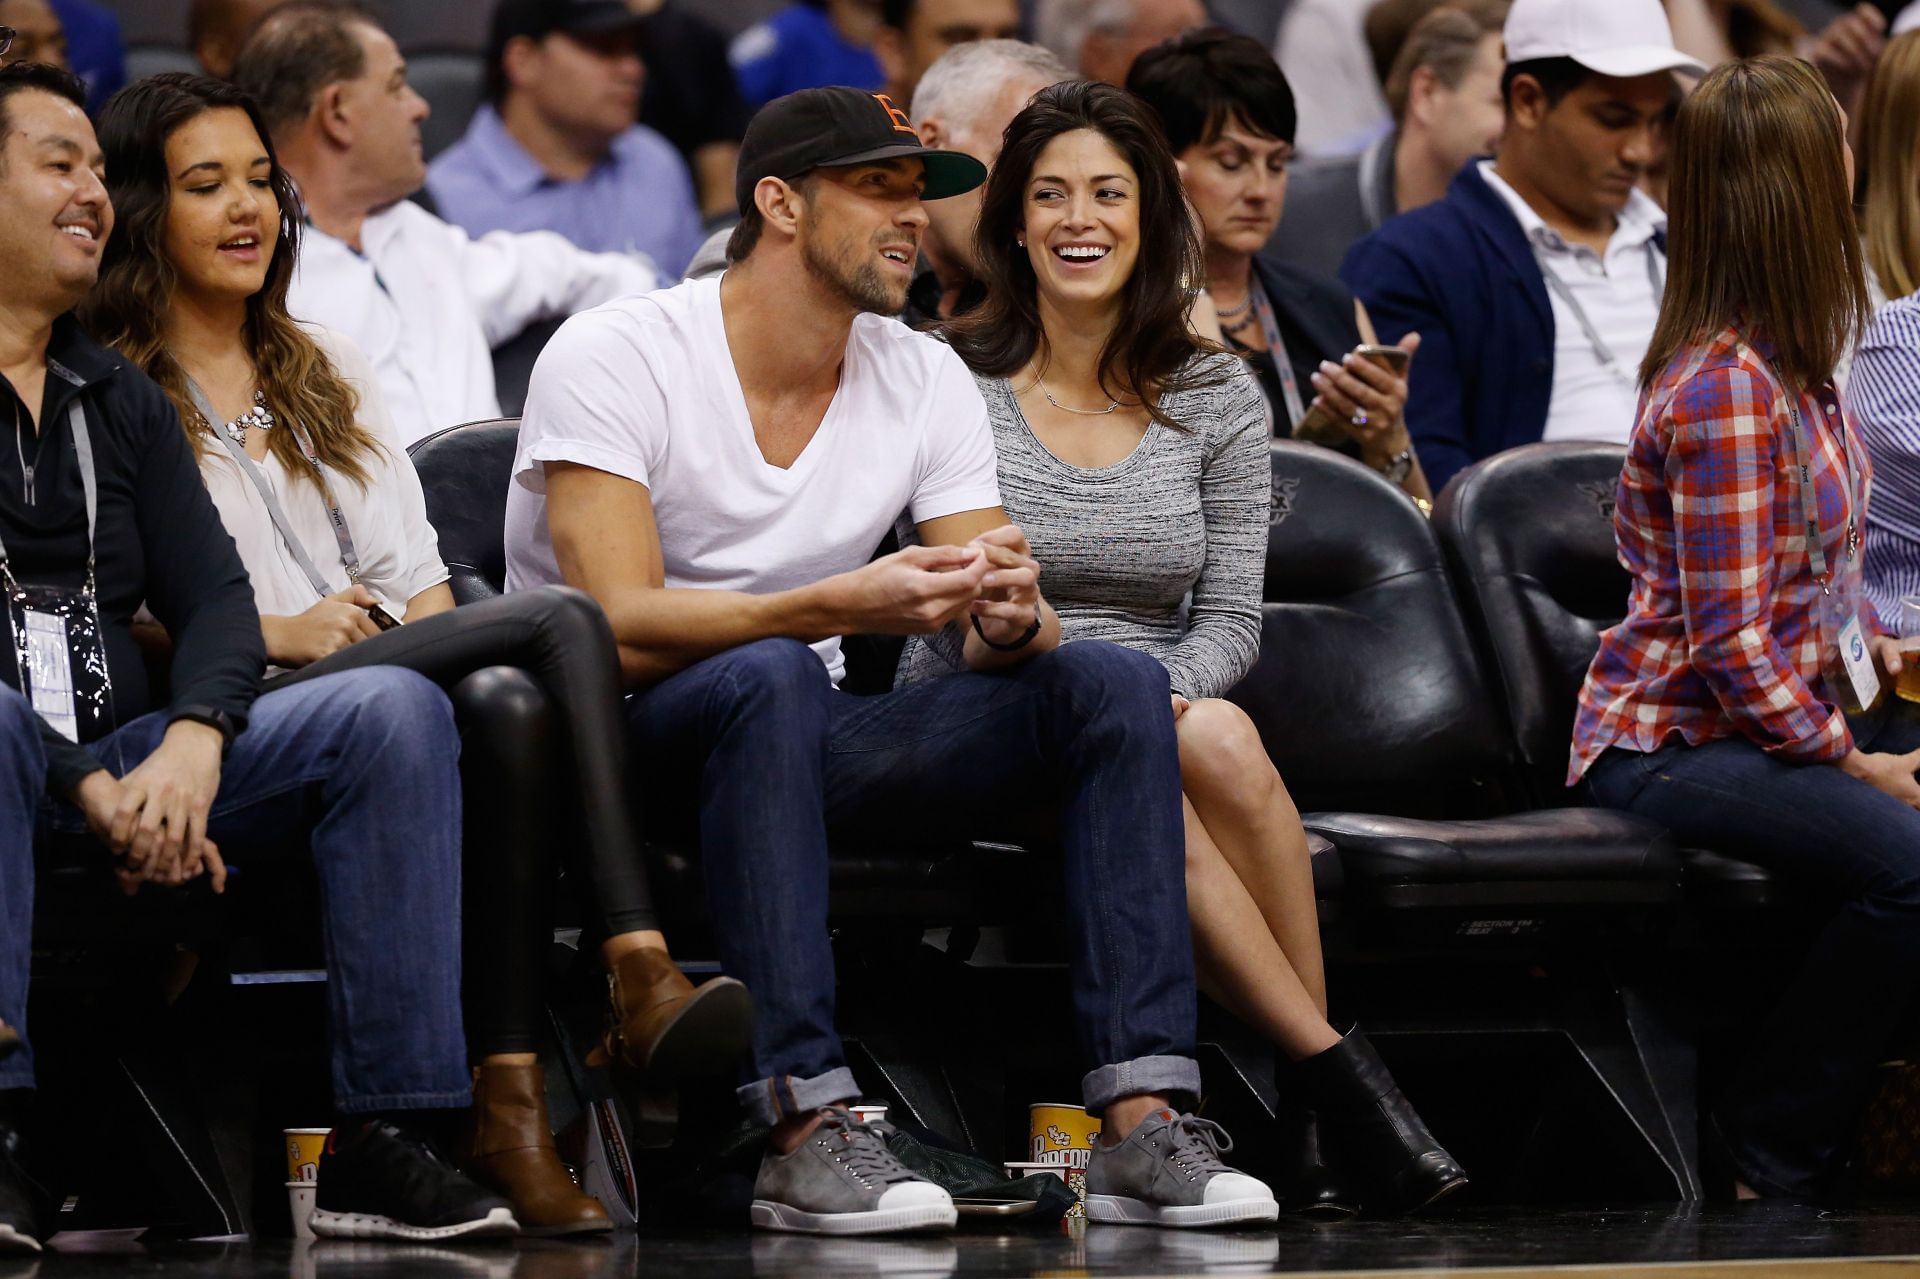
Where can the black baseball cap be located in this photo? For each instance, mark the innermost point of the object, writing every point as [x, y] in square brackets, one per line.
[540, 18]
[837, 125]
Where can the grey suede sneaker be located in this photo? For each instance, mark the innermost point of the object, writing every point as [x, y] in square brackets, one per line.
[1168, 1172]
[842, 1180]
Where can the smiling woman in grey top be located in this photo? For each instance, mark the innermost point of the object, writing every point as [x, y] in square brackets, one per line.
[1123, 546]
[1133, 457]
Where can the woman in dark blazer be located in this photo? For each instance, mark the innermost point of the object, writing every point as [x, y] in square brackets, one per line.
[1229, 115]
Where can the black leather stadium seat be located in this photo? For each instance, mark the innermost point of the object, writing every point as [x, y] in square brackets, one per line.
[1529, 536]
[1369, 696]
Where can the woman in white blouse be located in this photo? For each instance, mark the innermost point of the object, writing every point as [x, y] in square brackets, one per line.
[328, 514]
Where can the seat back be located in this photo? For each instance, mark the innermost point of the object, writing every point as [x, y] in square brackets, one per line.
[1529, 536]
[464, 471]
[1367, 691]
[454, 84]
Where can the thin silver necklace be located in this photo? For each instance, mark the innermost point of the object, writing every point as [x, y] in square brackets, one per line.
[1111, 404]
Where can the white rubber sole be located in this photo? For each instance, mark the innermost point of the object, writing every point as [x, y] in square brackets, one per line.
[1122, 1211]
[15, 1241]
[363, 1225]
[768, 1215]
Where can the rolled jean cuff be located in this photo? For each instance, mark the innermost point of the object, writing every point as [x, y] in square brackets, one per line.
[382, 1103]
[1141, 1075]
[771, 1100]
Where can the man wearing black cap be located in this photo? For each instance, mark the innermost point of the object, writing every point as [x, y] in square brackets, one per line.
[715, 463]
[557, 147]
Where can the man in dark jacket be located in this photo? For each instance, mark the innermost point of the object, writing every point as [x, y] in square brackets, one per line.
[1536, 281]
[102, 509]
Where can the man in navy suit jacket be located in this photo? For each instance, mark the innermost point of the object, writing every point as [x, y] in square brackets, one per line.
[1536, 282]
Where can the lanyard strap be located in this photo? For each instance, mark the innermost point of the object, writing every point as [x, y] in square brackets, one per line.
[1277, 349]
[349, 558]
[1809, 501]
[89, 486]
[1564, 291]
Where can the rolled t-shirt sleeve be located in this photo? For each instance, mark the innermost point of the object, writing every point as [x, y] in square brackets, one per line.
[595, 400]
[957, 467]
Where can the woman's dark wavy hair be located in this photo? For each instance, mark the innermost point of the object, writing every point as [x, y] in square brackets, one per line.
[128, 308]
[1151, 351]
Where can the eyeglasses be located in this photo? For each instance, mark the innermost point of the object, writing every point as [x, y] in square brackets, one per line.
[6, 40]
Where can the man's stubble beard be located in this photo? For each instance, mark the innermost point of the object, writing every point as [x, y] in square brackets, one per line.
[860, 287]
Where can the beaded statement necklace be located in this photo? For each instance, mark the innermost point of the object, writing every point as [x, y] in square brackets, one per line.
[257, 418]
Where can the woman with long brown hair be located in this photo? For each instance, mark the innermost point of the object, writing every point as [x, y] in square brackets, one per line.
[1743, 701]
[1889, 177]
[1134, 457]
[330, 520]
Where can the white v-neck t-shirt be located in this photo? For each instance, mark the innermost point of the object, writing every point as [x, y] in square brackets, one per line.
[645, 388]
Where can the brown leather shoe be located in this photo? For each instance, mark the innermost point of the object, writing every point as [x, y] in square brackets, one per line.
[512, 1154]
[660, 1024]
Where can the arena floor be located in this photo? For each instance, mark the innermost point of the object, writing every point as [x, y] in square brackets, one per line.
[1722, 1242]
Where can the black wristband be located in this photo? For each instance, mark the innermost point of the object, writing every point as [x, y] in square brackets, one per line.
[1024, 640]
[218, 720]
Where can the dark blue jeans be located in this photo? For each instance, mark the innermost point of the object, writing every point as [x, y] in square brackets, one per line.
[1787, 1117]
[776, 757]
[367, 762]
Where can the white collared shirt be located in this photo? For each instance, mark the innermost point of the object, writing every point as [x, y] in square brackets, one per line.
[1618, 291]
[427, 303]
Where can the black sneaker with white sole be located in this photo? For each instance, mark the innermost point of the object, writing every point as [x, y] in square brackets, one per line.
[383, 1182]
[23, 1205]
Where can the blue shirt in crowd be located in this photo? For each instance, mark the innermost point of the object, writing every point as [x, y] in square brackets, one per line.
[94, 48]
[799, 48]
[639, 199]
[1884, 394]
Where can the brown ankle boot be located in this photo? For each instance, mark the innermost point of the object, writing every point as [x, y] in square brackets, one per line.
[513, 1154]
[663, 1026]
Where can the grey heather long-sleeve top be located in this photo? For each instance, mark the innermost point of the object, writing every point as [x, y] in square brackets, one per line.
[1163, 551]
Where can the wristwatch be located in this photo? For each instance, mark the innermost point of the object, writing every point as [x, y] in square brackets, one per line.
[1026, 637]
[213, 718]
[1399, 466]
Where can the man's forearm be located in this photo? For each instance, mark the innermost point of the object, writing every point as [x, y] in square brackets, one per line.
[665, 630]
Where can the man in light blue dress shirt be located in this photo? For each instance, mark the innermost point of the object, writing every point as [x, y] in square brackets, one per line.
[558, 147]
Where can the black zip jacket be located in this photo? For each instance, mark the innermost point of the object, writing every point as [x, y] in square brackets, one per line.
[161, 542]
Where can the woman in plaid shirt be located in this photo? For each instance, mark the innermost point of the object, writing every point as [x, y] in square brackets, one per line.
[1719, 706]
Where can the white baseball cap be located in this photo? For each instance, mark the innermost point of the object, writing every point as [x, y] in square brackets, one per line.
[1620, 38]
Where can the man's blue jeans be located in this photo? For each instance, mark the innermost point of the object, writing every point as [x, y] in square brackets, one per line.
[367, 761]
[777, 758]
[1787, 1117]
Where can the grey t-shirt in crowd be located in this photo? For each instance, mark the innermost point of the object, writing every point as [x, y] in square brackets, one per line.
[1163, 551]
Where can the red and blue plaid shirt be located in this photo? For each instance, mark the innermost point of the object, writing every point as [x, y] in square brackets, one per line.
[1720, 637]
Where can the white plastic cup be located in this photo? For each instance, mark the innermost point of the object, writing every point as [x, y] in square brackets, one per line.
[300, 1204]
[868, 1114]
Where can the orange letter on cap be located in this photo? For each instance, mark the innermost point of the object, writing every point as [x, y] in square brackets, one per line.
[901, 123]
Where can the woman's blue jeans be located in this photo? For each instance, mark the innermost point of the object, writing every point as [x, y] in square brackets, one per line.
[1787, 1117]
[776, 757]
[366, 764]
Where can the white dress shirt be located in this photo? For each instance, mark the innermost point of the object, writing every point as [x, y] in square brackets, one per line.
[1322, 48]
[428, 303]
[1619, 292]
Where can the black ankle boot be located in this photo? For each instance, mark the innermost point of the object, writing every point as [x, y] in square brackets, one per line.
[1372, 1133]
[1303, 1182]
